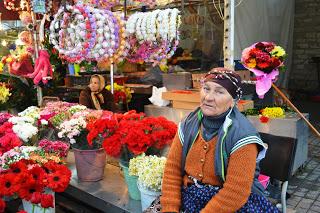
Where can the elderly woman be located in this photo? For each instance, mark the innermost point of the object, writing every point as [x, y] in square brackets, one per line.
[95, 96]
[213, 163]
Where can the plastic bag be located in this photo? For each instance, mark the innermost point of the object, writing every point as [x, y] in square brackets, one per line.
[156, 98]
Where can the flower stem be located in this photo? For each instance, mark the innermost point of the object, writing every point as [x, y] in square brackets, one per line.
[33, 205]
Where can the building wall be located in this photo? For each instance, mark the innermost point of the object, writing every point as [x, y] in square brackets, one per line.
[306, 44]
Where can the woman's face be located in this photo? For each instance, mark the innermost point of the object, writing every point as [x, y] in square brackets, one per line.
[94, 84]
[215, 99]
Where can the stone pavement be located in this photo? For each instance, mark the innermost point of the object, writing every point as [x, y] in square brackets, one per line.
[304, 187]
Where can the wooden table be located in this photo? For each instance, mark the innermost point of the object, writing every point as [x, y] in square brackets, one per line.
[108, 195]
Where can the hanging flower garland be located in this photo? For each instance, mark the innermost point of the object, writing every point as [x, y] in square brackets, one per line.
[153, 36]
[86, 33]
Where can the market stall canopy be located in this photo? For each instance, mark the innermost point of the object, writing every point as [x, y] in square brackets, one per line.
[8, 14]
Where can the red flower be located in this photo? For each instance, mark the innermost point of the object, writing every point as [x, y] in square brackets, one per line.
[59, 180]
[18, 168]
[38, 174]
[8, 184]
[264, 119]
[22, 211]
[2, 205]
[47, 201]
[112, 145]
[27, 190]
[36, 197]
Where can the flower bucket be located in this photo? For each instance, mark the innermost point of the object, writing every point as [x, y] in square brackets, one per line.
[36, 208]
[90, 164]
[131, 182]
[147, 196]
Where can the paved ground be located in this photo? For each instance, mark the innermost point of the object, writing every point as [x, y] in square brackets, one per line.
[304, 187]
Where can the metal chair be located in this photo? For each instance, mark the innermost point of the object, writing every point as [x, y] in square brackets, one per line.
[278, 162]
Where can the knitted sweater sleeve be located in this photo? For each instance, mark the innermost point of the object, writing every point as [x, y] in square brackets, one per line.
[237, 187]
[172, 180]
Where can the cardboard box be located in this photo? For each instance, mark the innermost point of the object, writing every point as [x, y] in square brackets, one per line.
[243, 105]
[183, 95]
[190, 99]
[184, 105]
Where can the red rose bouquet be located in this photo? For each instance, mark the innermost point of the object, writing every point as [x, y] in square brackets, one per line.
[130, 134]
[264, 59]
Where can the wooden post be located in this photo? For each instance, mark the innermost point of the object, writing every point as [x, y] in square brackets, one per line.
[228, 37]
[295, 109]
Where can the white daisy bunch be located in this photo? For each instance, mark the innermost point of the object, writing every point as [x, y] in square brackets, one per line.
[149, 170]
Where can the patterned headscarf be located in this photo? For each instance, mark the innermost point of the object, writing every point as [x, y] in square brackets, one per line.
[96, 95]
[226, 78]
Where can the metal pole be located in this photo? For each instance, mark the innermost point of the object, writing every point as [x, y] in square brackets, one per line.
[228, 39]
[111, 76]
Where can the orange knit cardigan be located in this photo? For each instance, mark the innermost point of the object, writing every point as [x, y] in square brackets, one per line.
[200, 164]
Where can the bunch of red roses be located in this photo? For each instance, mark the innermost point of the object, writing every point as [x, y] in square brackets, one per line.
[8, 139]
[28, 180]
[263, 56]
[131, 131]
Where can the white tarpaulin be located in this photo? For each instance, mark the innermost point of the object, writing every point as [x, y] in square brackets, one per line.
[265, 20]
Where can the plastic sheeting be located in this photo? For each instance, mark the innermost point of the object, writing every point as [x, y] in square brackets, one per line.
[265, 20]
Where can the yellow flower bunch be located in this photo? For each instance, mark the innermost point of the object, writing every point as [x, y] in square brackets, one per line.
[1, 67]
[278, 52]
[126, 90]
[273, 112]
[149, 170]
[4, 93]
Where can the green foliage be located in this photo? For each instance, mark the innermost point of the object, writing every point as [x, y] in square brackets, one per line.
[23, 93]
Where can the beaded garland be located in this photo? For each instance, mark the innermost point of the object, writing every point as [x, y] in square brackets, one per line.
[123, 45]
[86, 33]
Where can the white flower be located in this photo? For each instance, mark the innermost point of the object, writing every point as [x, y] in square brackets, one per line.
[44, 122]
